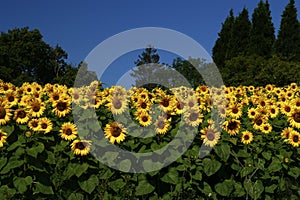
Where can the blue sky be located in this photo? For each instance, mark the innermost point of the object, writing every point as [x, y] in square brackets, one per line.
[79, 26]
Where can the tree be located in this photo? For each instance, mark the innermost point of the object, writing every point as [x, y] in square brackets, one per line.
[262, 35]
[240, 35]
[25, 56]
[287, 44]
[222, 44]
[147, 67]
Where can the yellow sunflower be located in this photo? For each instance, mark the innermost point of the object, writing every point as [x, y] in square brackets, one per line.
[252, 113]
[193, 117]
[36, 107]
[247, 137]
[34, 125]
[273, 111]
[81, 147]
[266, 128]
[285, 134]
[4, 112]
[12, 98]
[3, 137]
[232, 127]
[210, 136]
[61, 108]
[167, 103]
[294, 138]
[162, 125]
[21, 116]
[117, 104]
[143, 105]
[144, 118]
[258, 122]
[115, 132]
[68, 131]
[45, 125]
[286, 109]
[234, 111]
[294, 119]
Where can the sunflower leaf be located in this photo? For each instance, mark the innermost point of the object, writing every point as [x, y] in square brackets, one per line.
[44, 189]
[117, 184]
[144, 187]
[90, 184]
[210, 167]
[223, 151]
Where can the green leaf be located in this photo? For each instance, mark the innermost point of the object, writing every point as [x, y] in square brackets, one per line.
[171, 177]
[21, 183]
[271, 188]
[239, 190]
[197, 176]
[80, 169]
[106, 173]
[223, 151]
[3, 161]
[51, 158]
[294, 172]
[247, 170]
[6, 192]
[90, 184]
[14, 145]
[124, 165]
[243, 154]
[117, 184]
[8, 129]
[44, 189]
[275, 165]
[11, 165]
[210, 167]
[144, 188]
[224, 188]
[267, 155]
[35, 150]
[76, 196]
[256, 189]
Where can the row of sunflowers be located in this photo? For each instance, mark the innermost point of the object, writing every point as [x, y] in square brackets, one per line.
[31, 105]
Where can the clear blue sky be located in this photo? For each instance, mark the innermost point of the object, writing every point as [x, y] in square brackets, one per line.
[78, 26]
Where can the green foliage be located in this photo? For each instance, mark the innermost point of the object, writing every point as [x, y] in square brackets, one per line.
[287, 44]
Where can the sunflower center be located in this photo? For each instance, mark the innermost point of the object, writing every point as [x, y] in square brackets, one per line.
[11, 98]
[193, 116]
[2, 113]
[210, 135]
[235, 110]
[79, 145]
[266, 128]
[232, 125]
[44, 126]
[116, 131]
[296, 117]
[143, 105]
[76, 96]
[191, 104]
[117, 103]
[34, 124]
[165, 103]
[246, 137]
[144, 118]
[5, 87]
[258, 122]
[287, 109]
[252, 113]
[68, 132]
[272, 110]
[55, 97]
[21, 114]
[29, 90]
[61, 106]
[295, 138]
[36, 107]
[161, 124]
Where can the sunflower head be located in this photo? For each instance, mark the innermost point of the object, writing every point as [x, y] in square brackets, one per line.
[115, 132]
[247, 137]
[81, 147]
[68, 131]
[210, 136]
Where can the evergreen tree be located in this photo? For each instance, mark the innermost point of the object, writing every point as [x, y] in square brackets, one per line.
[262, 31]
[287, 44]
[240, 35]
[222, 44]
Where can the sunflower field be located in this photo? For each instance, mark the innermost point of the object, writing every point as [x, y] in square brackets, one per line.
[250, 152]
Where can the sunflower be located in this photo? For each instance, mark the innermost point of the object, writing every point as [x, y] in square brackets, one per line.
[142, 105]
[180, 105]
[252, 113]
[161, 125]
[21, 116]
[266, 128]
[193, 117]
[296, 103]
[234, 111]
[192, 102]
[167, 103]
[4, 112]
[273, 111]
[117, 104]
[210, 136]
[115, 132]
[36, 107]
[222, 111]
[61, 108]
[68, 131]
[3, 137]
[247, 137]
[81, 147]
[285, 134]
[294, 119]
[232, 127]
[258, 122]
[144, 118]
[11, 98]
[34, 124]
[294, 138]
[45, 125]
